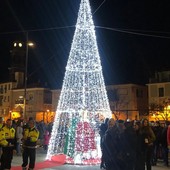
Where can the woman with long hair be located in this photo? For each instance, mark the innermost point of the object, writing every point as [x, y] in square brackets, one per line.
[148, 139]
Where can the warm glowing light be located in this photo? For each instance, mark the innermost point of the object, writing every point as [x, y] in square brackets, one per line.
[15, 44]
[20, 44]
[15, 115]
[168, 107]
[83, 98]
[31, 44]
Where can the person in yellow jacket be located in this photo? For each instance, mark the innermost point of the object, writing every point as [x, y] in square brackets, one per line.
[8, 142]
[1, 126]
[30, 137]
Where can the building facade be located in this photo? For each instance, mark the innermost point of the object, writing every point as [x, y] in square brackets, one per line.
[6, 98]
[159, 96]
[128, 101]
[39, 102]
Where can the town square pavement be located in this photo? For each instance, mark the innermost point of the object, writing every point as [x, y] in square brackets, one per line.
[41, 155]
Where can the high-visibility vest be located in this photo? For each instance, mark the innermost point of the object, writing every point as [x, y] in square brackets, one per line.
[7, 136]
[30, 137]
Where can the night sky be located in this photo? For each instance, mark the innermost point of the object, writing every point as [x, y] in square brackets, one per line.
[133, 37]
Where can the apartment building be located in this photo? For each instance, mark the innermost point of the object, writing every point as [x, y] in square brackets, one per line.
[159, 96]
[128, 101]
[38, 102]
[6, 98]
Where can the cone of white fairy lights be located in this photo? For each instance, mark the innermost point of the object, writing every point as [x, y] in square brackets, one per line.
[83, 98]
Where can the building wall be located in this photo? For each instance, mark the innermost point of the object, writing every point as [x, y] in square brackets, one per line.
[36, 101]
[154, 93]
[41, 103]
[128, 100]
[159, 96]
[55, 99]
[6, 97]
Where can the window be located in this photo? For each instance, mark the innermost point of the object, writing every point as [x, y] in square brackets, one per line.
[5, 89]
[1, 98]
[20, 100]
[139, 93]
[47, 97]
[113, 95]
[1, 90]
[9, 86]
[161, 92]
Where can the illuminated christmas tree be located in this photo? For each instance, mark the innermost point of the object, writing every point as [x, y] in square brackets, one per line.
[83, 97]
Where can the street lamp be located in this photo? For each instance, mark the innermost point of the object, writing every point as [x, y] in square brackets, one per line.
[28, 44]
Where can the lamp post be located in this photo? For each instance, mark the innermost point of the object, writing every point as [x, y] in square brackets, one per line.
[10, 112]
[26, 72]
[47, 116]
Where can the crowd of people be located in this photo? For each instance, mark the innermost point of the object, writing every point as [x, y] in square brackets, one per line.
[125, 145]
[21, 138]
[133, 145]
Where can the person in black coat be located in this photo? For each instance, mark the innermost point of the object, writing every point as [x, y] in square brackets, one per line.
[139, 147]
[103, 128]
[113, 147]
[164, 144]
[149, 137]
[129, 145]
[157, 129]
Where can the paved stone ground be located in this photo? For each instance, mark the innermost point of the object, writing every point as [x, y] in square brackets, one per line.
[75, 167]
[17, 160]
